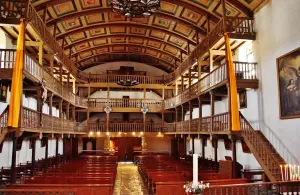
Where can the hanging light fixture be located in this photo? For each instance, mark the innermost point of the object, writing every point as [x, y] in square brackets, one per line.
[135, 8]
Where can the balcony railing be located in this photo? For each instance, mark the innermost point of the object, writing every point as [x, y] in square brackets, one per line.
[111, 78]
[125, 127]
[32, 67]
[215, 123]
[3, 121]
[34, 120]
[125, 103]
[243, 71]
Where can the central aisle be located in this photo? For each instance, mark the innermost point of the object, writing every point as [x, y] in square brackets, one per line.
[129, 181]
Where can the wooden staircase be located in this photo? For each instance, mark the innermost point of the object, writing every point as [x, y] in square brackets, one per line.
[3, 124]
[264, 152]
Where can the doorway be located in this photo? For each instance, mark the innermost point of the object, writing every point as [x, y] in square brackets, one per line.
[126, 147]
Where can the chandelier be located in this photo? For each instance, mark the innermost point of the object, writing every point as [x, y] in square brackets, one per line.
[135, 8]
[128, 82]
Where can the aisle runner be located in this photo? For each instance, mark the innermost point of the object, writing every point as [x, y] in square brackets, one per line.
[129, 181]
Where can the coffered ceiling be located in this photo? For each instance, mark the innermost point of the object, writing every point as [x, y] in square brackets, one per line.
[92, 34]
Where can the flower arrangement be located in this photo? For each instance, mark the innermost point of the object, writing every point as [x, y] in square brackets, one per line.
[195, 189]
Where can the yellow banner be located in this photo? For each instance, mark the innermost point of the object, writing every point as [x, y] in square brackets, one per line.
[235, 115]
[17, 81]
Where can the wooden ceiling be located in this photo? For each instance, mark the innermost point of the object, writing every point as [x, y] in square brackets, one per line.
[94, 34]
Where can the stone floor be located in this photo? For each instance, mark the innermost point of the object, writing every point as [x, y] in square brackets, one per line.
[129, 181]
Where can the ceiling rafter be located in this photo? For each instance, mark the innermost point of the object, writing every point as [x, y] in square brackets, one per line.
[159, 66]
[126, 53]
[189, 6]
[248, 12]
[125, 24]
[125, 36]
[126, 45]
[167, 16]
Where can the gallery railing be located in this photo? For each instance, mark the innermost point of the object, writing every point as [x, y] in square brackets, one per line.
[3, 120]
[125, 103]
[243, 71]
[280, 188]
[215, 123]
[125, 127]
[34, 120]
[112, 78]
[32, 67]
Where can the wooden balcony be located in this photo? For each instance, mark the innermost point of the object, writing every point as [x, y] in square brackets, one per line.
[236, 27]
[217, 124]
[125, 127]
[13, 11]
[124, 105]
[246, 74]
[36, 73]
[112, 78]
[33, 121]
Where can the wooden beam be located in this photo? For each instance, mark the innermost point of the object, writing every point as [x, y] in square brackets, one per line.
[237, 4]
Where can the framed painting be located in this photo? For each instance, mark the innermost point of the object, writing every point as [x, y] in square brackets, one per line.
[243, 99]
[288, 75]
[3, 92]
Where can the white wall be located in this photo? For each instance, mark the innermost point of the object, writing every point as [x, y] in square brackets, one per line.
[277, 27]
[24, 154]
[101, 69]
[132, 94]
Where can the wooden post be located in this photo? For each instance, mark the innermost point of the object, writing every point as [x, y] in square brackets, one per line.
[203, 150]
[144, 121]
[39, 106]
[184, 144]
[182, 83]
[191, 114]
[188, 48]
[182, 113]
[13, 160]
[176, 87]
[56, 151]
[51, 62]
[41, 45]
[234, 161]
[45, 14]
[46, 153]
[216, 153]
[212, 110]
[60, 107]
[33, 141]
[108, 92]
[163, 119]
[50, 104]
[199, 69]
[200, 113]
[61, 74]
[68, 80]
[73, 113]
[178, 148]
[107, 122]
[190, 77]
[176, 118]
[193, 144]
[68, 111]
[163, 93]
[181, 58]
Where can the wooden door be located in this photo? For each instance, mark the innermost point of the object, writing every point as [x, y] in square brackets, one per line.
[126, 146]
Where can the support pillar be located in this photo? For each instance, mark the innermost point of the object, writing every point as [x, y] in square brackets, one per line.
[33, 148]
[13, 160]
[203, 148]
[182, 113]
[56, 151]
[212, 110]
[46, 153]
[68, 111]
[184, 143]
[216, 153]
[144, 121]
[193, 144]
[234, 160]
[200, 113]
[191, 114]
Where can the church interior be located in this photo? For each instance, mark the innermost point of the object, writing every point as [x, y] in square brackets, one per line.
[149, 97]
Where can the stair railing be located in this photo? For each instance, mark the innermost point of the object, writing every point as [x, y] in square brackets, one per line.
[270, 162]
[280, 147]
[3, 120]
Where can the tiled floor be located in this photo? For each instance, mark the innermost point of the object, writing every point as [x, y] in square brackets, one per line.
[129, 181]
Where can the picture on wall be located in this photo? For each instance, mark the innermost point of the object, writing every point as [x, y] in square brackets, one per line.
[3, 92]
[288, 74]
[243, 99]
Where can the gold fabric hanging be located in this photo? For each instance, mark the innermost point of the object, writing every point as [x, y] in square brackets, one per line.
[235, 115]
[17, 81]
